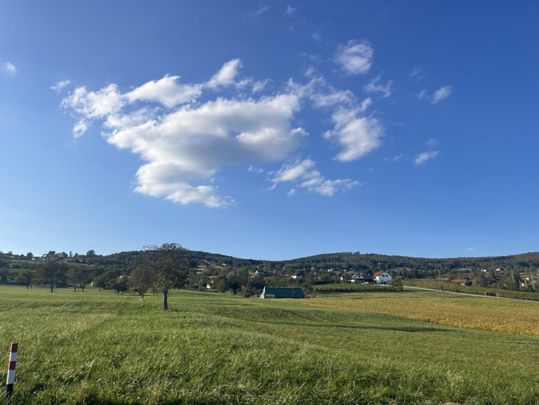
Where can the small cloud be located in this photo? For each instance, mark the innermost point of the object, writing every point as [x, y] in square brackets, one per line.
[423, 95]
[226, 75]
[257, 170]
[304, 174]
[355, 57]
[316, 36]
[376, 86]
[432, 142]
[9, 67]
[262, 8]
[424, 157]
[438, 96]
[259, 86]
[289, 12]
[291, 192]
[441, 94]
[60, 85]
[356, 134]
[417, 73]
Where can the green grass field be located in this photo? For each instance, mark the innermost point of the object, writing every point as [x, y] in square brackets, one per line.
[96, 347]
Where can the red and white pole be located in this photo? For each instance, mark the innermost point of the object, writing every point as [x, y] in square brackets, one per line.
[11, 370]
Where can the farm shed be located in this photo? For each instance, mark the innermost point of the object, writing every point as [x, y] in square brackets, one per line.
[282, 292]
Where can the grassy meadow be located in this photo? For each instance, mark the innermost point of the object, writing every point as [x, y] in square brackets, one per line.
[97, 347]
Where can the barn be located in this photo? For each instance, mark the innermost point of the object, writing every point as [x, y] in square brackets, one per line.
[282, 292]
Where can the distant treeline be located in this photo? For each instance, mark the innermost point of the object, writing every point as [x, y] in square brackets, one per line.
[219, 272]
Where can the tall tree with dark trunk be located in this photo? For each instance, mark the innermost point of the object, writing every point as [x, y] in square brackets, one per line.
[170, 270]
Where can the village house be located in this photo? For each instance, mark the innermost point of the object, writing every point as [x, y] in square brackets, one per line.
[382, 277]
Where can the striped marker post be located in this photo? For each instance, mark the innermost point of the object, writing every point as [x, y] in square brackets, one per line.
[11, 370]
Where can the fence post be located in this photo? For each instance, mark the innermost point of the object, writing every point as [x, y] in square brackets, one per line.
[11, 370]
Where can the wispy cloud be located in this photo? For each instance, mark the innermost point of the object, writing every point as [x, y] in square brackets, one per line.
[289, 12]
[355, 57]
[303, 174]
[424, 157]
[417, 73]
[376, 86]
[9, 68]
[441, 94]
[437, 96]
[261, 9]
[60, 85]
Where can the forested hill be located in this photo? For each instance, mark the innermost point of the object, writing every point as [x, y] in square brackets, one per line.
[212, 263]
[342, 261]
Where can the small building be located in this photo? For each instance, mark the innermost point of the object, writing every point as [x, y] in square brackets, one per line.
[282, 292]
[382, 277]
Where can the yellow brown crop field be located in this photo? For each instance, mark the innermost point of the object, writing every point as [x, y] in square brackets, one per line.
[504, 315]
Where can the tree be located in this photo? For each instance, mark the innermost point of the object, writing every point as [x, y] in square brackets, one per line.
[52, 273]
[99, 281]
[141, 278]
[233, 282]
[170, 270]
[26, 278]
[120, 284]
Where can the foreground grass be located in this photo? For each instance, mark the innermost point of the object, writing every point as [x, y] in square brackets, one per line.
[98, 347]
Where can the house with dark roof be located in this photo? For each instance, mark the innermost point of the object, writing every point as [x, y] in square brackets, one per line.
[282, 292]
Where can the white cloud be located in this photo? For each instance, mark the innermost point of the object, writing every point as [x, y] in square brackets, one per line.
[365, 104]
[9, 68]
[417, 73]
[90, 105]
[166, 91]
[226, 75]
[441, 94]
[375, 86]
[262, 8]
[357, 135]
[60, 85]
[289, 11]
[438, 96]
[355, 57]
[185, 133]
[259, 85]
[304, 175]
[424, 157]
[184, 147]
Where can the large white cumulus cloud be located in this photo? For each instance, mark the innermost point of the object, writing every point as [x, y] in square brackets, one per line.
[186, 132]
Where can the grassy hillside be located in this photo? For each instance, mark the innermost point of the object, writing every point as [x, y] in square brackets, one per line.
[98, 347]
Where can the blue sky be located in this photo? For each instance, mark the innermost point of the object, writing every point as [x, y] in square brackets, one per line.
[270, 129]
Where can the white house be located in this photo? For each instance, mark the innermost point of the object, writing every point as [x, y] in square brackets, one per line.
[382, 277]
